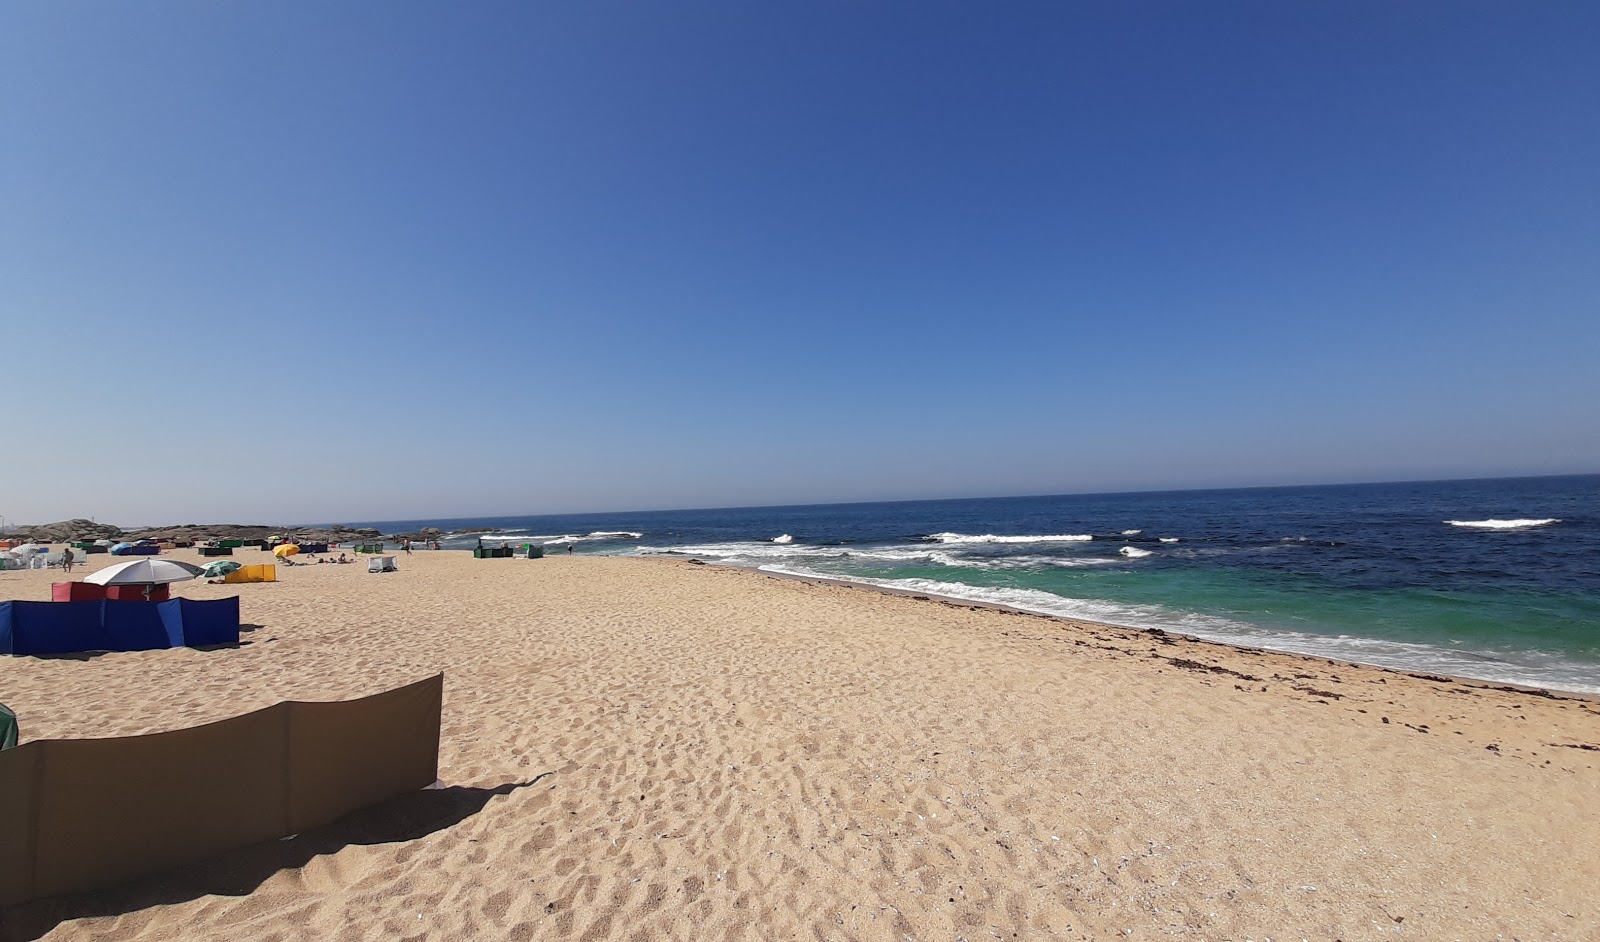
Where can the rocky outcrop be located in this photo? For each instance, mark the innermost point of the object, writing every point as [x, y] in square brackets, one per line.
[424, 535]
[67, 531]
[240, 531]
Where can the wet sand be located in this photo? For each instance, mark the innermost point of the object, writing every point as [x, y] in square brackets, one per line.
[652, 749]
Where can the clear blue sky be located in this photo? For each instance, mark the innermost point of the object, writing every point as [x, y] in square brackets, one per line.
[324, 261]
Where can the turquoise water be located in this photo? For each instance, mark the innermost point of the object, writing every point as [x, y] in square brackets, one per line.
[1498, 580]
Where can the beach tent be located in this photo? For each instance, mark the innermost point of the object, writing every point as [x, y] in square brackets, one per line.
[76, 592]
[382, 564]
[265, 572]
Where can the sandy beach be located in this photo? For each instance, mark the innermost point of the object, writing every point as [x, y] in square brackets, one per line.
[639, 749]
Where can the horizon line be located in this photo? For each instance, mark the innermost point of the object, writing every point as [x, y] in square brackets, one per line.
[933, 500]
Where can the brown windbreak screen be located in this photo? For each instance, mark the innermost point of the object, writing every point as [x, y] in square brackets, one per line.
[81, 814]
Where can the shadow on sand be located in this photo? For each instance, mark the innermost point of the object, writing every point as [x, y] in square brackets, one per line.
[239, 872]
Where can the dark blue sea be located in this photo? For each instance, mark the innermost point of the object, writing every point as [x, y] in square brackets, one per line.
[1494, 579]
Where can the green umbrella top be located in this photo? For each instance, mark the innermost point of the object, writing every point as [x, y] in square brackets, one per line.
[220, 568]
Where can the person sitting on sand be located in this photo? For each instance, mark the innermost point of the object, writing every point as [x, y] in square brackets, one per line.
[343, 558]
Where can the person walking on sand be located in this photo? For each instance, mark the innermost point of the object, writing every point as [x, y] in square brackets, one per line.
[66, 561]
[569, 549]
[407, 547]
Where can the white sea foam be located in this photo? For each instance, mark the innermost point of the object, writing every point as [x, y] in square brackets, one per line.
[1131, 532]
[1169, 539]
[744, 550]
[1017, 562]
[1502, 524]
[545, 539]
[888, 554]
[767, 552]
[786, 538]
[493, 537]
[993, 538]
[1133, 552]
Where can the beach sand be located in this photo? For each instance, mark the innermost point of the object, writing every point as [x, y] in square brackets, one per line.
[652, 749]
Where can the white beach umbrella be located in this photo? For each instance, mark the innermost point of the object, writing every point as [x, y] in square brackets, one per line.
[145, 572]
[105, 542]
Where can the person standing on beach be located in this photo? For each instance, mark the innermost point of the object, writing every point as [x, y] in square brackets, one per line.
[407, 547]
[66, 561]
[569, 549]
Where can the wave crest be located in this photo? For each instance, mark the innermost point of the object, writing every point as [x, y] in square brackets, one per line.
[1000, 538]
[1502, 524]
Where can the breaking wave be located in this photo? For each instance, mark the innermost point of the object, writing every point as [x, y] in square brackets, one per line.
[550, 538]
[1133, 552]
[993, 538]
[1502, 524]
[1016, 562]
[786, 538]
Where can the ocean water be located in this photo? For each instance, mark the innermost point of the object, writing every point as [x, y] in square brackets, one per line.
[1492, 579]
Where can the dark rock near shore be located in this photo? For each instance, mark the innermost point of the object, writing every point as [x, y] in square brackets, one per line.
[67, 531]
[240, 531]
